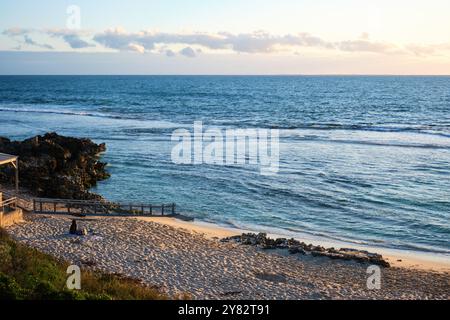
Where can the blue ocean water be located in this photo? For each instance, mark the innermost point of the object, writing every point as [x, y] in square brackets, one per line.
[362, 159]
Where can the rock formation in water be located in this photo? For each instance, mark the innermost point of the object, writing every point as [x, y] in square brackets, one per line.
[56, 166]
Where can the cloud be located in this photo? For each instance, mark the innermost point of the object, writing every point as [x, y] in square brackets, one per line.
[31, 42]
[256, 42]
[121, 40]
[136, 48]
[428, 50]
[169, 53]
[420, 50]
[27, 40]
[71, 37]
[366, 46]
[76, 42]
[188, 52]
[14, 32]
[263, 42]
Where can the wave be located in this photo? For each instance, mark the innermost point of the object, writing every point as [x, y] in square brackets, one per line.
[435, 130]
[441, 130]
[375, 143]
[61, 112]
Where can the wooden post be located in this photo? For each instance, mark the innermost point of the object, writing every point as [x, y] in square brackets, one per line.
[151, 210]
[17, 175]
[173, 208]
[162, 210]
[40, 206]
[34, 205]
[54, 207]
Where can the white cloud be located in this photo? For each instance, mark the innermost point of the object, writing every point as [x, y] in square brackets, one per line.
[27, 40]
[258, 42]
[428, 50]
[13, 32]
[119, 39]
[169, 53]
[188, 52]
[71, 37]
[367, 46]
[31, 42]
[136, 48]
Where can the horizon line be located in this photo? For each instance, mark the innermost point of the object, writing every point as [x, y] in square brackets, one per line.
[232, 75]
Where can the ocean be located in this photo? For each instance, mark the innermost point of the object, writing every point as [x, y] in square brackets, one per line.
[362, 159]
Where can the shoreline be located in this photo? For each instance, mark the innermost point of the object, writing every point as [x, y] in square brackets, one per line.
[413, 260]
[408, 259]
[179, 257]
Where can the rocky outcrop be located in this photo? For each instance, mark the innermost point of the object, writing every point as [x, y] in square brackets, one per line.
[296, 247]
[56, 166]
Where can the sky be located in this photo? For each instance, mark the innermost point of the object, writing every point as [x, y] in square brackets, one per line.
[225, 37]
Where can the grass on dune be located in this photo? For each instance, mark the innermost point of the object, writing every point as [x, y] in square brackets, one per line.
[27, 274]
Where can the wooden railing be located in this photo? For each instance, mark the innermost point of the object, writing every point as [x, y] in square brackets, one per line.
[100, 208]
[9, 204]
[23, 202]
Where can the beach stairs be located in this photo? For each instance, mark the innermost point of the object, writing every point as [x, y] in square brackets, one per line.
[85, 208]
[10, 213]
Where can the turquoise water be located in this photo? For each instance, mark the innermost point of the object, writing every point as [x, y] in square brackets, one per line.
[362, 159]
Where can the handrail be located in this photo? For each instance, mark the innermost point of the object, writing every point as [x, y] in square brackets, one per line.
[87, 207]
[21, 202]
[135, 204]
[99, 208]
[11, 202]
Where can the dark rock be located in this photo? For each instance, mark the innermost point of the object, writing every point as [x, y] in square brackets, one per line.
[56, 166]
[261, 237]
[317, 254]
[292, 242]
[333, 250]
[248, 239]
[317, 248]
[232, 239]
[296, 247]
[281, 243]
[328, 255]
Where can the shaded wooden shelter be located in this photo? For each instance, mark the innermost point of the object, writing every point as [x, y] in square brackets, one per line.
[14, 161]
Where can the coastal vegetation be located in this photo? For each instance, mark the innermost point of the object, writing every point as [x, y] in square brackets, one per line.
[27, 274]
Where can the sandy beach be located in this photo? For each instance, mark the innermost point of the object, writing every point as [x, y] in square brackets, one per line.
[184, 257]
[397, 258]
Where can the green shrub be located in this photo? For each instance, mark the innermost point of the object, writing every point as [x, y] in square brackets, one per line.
[9, 288]
[26, 273]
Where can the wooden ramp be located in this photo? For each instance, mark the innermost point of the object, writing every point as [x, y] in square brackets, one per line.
[100, 209]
